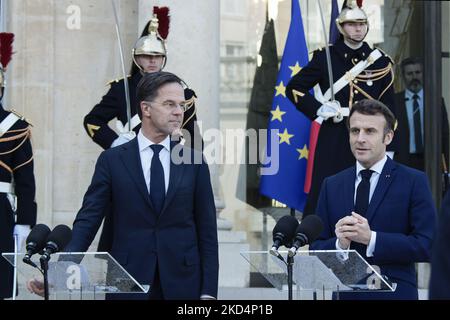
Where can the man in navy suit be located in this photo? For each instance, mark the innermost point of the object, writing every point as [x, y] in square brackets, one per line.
[410, 112]
[165, 231]
[382, 209]
[440, 263]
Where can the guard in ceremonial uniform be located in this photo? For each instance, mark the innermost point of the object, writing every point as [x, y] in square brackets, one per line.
[149, 55]
[359, 72]
[17, 185]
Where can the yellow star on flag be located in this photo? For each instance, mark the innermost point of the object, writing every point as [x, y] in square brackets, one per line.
[281, 89]
[303, 153]
[295, 69]
[285, 136]
[276, 114]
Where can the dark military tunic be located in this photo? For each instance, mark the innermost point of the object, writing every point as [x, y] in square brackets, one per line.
[333, 152]
[16, 162]
[113, 105]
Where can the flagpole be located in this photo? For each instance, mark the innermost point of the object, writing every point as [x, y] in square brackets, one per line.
[327, 52]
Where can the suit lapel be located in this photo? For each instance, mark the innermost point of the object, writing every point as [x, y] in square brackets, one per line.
[349, 189]
[176, 173]
[132, 162]
[385, 180]
[403, 116]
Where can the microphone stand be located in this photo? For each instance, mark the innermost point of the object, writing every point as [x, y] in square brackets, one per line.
[290, 264]
[44, 267]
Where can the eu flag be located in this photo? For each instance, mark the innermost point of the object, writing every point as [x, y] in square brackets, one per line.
[286, 185]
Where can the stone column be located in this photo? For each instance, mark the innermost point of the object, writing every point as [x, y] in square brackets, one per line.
[66, 52]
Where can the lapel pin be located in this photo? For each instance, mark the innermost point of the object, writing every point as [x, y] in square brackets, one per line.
[388, 176]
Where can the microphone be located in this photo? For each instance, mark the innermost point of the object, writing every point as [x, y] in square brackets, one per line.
[283, 232]
[56, 241]
[35, 242]
[307, 232]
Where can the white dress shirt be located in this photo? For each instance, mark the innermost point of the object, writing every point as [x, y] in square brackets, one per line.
[146, 154]
[377, 168]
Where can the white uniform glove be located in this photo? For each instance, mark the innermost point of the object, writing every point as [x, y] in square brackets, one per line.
[331, 109]
[21, 231]
[123, 138]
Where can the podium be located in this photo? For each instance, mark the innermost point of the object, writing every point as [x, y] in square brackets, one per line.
[76, 276]
[319, 272]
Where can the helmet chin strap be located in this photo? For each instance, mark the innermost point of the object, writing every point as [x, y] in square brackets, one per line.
[142, 69]
[356, 43]
[352, 43]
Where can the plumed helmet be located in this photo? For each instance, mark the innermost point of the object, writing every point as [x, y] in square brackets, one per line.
[153, 39]
[352, 12]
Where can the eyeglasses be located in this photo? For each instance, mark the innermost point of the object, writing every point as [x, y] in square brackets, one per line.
[171, 105]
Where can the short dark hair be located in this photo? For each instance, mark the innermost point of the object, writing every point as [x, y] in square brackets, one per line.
[372, 107]
[147, 88]
[408, 61]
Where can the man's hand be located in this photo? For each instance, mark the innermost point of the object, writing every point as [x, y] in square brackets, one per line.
[362, 229]
[123, 138]
[331, 109]
[21, 231]
[344, 230]
[36, 286]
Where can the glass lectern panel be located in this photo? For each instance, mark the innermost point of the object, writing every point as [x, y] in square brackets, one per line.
[87, 275]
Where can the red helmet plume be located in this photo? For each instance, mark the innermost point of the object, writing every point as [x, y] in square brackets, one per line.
[6, 40]
[162, 13]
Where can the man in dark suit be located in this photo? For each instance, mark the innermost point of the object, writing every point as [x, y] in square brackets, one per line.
[410, 112]
[440, 262]
[164, 229]
[382, 209]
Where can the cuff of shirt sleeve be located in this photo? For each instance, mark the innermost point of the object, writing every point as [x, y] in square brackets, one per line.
[371, 246]
[343, 255]
[338, 247]
[207, 297]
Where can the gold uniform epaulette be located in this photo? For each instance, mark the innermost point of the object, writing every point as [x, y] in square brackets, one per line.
[320, 49]
[21, 117]
[116, 80]
[386, 55]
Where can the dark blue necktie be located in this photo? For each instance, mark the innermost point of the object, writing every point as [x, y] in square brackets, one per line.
[157, 185]
[417, 125]
[362, 193]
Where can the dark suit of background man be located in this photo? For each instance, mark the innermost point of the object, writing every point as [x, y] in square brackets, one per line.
[382, 209]
[410, 114]
[16, 177]
[333, 153]
[164, 231]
